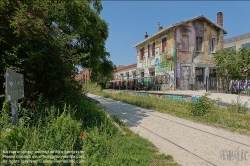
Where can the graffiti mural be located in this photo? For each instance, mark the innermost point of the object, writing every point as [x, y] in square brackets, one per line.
[185, 74]
[178, 75]
[186, 41]
[165, 71]
[239, 85]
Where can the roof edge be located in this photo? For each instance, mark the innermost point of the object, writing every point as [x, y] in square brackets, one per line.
[179, 23]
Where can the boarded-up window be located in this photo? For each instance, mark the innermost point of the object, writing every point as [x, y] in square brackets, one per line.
[141, 53]
[185, 43]
[198, 44]
[153, 49]
[164, 44]
[212, 44]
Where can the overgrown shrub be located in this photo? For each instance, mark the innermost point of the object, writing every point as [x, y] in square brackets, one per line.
[201, 106]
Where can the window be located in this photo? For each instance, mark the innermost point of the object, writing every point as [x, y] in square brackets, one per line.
[212, 72]
[233, 48]
[141, 53]
[164, 44]
[185, 43]
[198, 44]
[152, 73]
[199, 72]
[212, 45]
[148, 51]
[246, 45]
[142, 74]
[127, 74]
[153, 49]
[134, 74]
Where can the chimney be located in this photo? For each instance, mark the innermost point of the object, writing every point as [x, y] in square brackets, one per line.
[221, 35]
[220, 19]
[146, 36]
[159, 27]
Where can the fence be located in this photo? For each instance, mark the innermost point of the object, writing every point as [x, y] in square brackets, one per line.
[225, 85]
[212, 84]
[144, 83]
[217, 85]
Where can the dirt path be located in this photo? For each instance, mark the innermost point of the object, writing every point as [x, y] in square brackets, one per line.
[190, 143]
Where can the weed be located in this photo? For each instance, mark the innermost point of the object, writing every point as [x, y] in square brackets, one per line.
[238, 106]
[201, 106]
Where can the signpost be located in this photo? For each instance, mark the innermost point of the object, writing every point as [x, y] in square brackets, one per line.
[14, 91]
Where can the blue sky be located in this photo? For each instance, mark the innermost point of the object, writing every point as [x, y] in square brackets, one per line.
[130, 20]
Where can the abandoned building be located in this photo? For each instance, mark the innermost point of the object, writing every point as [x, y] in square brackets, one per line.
[125, 72]
[181, 55]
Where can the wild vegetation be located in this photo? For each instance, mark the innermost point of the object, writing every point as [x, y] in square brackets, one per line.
[203, 110]
[46, 41]
[84, 128]
[233, 64]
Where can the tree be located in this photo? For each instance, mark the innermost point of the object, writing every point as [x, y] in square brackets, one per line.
[104, 72]
[45, 40]
[233, 64]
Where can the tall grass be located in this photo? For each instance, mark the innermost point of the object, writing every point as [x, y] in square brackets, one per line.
[84, 128]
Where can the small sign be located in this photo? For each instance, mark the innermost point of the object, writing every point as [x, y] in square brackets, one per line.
[14, 91]
[14, 86]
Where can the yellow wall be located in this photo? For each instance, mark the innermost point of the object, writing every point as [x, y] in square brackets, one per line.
[211, 32]
[157, 39]
[238, 43]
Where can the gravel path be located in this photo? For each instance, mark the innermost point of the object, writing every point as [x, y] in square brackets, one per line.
[190, 143]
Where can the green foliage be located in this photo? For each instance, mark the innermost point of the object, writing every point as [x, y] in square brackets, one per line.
[201, 106]
[46, 40]
[90, 87]
[232, 63]
[104, 72]
[85, 128]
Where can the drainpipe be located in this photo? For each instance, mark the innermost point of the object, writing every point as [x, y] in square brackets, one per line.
[175, 59]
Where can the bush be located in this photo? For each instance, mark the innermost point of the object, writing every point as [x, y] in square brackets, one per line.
[201, 106]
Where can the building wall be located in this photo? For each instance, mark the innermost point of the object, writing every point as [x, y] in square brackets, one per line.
[189, 60]
[195, 29]
[123, 71]
[237, 41]
[182, 48]
[83, 76]
[155, 61]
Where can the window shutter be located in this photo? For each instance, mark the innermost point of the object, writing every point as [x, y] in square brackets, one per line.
[148, 51]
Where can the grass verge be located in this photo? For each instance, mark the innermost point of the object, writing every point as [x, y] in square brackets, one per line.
[220, 117]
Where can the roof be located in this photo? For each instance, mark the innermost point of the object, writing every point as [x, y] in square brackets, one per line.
[237, 38]
[119, 68]
[183, 22]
